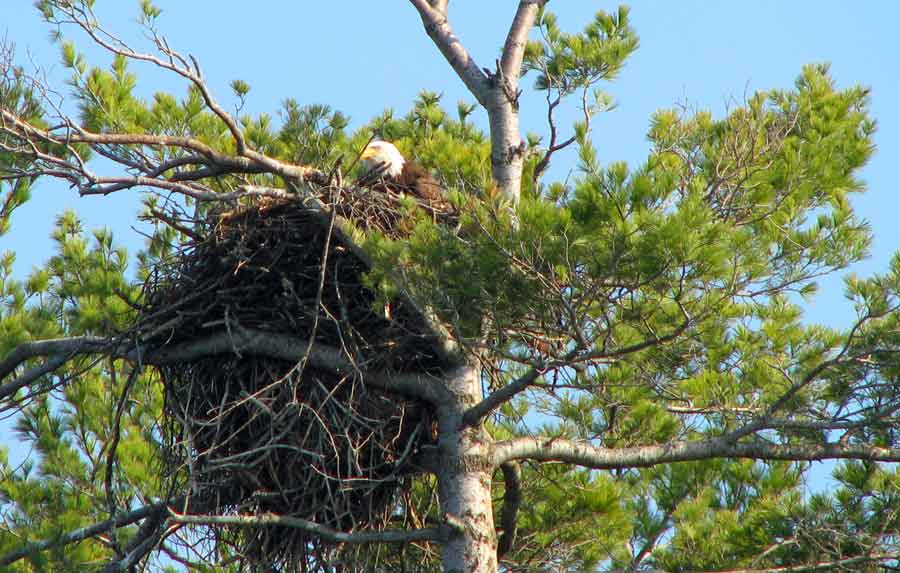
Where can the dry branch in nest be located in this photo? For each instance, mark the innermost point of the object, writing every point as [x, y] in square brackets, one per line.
[249, 434]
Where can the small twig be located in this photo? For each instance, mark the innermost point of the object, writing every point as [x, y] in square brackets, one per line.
[157, 214]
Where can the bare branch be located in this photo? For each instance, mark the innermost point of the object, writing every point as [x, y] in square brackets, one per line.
[594, 457]
[517, 39]
[30, 376]
[235, 339]
[146, 538]
[323, 532]
[434, 19]
[497, 398]
[553, 145]
[52, 346]
[512, 498]
[219, 163]
[695, 410]
[141, 546]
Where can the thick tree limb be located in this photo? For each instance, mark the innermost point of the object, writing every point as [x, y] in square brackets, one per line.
[434, 19]
[83, 533]
[52, 346]
[59, 351]
[234, 340]
[243, 340]
[594, 457]
[440, 5]
[31, 375]
[497, 91]
[517, 39]
[321, 531]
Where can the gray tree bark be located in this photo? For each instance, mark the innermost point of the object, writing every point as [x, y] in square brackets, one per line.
[465, 461]
[464, 479]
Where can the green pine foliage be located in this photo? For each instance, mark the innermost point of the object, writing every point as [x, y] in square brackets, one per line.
[726, 222]
[72, 477]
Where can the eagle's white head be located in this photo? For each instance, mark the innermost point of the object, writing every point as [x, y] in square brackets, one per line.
[382, 158]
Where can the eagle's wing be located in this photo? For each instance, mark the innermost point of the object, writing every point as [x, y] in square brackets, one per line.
[420, 183]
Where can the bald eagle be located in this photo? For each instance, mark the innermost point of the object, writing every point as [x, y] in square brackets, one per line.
[382, 163]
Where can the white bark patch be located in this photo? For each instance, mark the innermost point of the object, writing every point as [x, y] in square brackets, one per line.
[464, 480]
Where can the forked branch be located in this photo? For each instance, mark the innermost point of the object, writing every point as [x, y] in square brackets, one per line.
[437, 26]
[497, 90]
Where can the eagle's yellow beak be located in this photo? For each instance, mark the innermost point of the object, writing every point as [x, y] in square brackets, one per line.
[367, 153]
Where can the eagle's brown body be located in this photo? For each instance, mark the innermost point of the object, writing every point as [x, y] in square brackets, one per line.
[416, 180]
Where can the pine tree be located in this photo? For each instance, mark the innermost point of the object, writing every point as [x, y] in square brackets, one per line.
[632, 386]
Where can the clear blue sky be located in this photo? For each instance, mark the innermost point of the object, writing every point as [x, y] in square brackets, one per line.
[361, 57]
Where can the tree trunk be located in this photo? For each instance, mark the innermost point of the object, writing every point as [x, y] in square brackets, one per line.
[507, 149]
[497, 91]
[464, 480]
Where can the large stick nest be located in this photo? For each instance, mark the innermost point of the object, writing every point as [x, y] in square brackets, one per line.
[249, 434]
